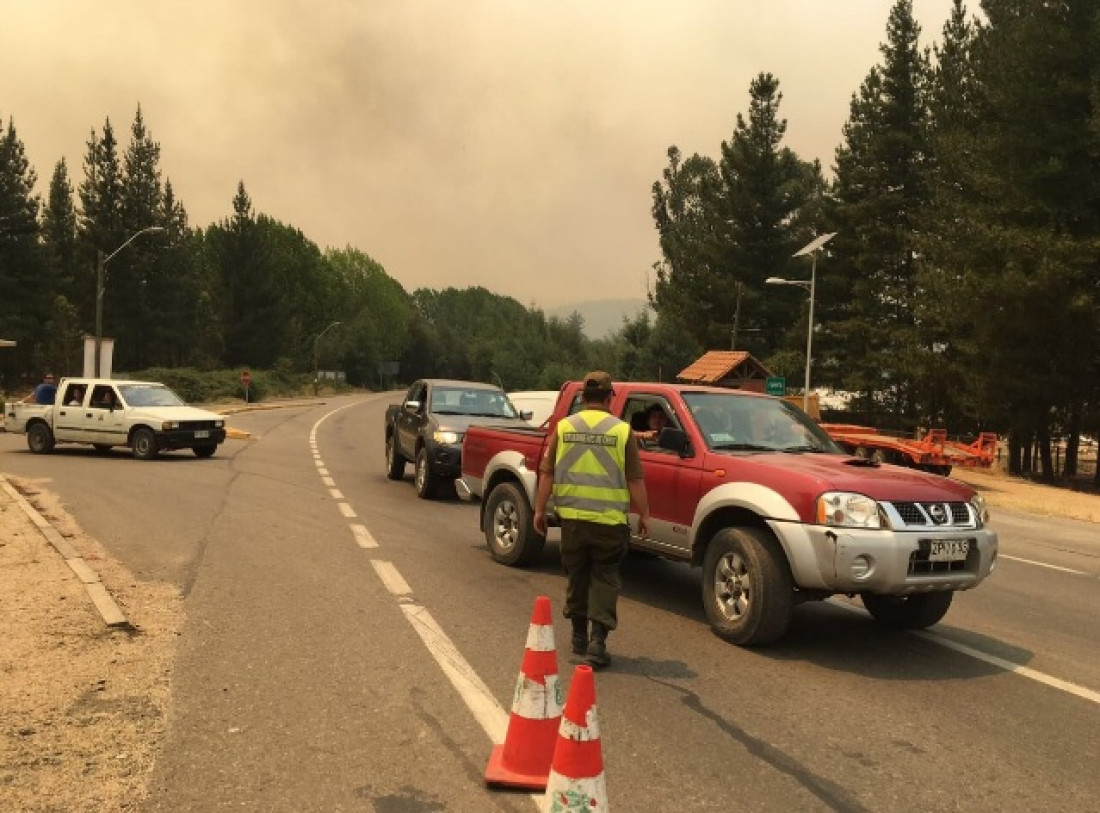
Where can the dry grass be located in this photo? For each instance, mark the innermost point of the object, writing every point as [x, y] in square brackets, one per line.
[1002, 491]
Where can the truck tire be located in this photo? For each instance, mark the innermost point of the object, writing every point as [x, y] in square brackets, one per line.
[205, 450]
[143, 443]
[426, 482]
[509, 527]
[395, 463]
[748, 592]
[913, 612]
[40, 438]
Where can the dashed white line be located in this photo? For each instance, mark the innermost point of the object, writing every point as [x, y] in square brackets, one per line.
[328, 481]
[363, 537]
[335, 494]
[393, 580]
[346, 510]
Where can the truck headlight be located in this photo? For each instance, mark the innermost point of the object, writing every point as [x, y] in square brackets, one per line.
[168, 426]
[981, 510]
[446, 437]
[847, 510]
[219, 424]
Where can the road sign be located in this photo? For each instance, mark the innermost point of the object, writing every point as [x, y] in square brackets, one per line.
[776, 385]
[246, 377]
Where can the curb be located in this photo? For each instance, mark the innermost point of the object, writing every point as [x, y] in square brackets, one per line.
[100, 598]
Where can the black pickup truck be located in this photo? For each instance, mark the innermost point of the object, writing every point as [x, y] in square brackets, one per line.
[428, 426]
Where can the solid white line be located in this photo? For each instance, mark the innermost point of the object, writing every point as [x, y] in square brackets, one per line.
[346, 510]
[391, 578]
[993, 660]
[1009, 666]
[335, 494]
[363, 537]
[1043, 564]
[328, 481]
[488, 713]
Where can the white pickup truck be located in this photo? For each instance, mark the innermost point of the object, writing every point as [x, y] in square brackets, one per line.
[145, 416]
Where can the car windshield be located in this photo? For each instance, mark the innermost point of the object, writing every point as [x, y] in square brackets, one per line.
[485, 403]
[149, 395]
[749, 424]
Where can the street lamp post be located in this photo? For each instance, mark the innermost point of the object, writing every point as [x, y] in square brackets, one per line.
[810, 248]
[316, 358]
[101, 284]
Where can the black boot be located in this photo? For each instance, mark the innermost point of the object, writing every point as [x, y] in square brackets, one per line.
[597, 656]
[580, 635]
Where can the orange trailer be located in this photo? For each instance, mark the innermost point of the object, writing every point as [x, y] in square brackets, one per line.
[934, 452]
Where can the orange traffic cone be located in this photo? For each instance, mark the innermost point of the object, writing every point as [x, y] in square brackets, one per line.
[576, 774]
[524, 759]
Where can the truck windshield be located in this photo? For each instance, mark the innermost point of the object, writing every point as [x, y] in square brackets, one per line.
[732, 422]
[147, 395]
[483, 403]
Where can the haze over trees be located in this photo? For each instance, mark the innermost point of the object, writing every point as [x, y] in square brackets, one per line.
[962, 288]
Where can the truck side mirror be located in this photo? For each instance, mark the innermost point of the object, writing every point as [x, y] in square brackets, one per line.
[675, 440]
[412, 406]
[526, 414]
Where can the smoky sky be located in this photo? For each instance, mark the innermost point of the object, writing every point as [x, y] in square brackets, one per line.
[509, 144]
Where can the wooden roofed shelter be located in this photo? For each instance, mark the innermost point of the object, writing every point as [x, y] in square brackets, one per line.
[737, 370]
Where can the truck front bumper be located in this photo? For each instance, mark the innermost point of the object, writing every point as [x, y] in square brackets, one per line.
[850, 560]
[189, 438]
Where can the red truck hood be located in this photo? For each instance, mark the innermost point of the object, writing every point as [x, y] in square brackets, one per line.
[813, 474]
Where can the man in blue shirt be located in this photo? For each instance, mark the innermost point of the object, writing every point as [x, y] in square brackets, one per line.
[46, 392]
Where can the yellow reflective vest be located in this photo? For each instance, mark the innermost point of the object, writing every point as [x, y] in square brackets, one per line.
[590, 468]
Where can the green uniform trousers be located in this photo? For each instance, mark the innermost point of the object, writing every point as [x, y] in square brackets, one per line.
[591, 554]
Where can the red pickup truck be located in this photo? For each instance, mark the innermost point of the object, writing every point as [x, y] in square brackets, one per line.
[751, 489]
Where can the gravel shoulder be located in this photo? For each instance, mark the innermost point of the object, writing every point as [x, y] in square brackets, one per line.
[84, 706]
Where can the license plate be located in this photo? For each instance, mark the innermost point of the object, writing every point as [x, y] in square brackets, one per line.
[202, 433]
[948, 550]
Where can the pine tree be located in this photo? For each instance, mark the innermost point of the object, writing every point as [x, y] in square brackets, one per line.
[24, 294]
[881, 183]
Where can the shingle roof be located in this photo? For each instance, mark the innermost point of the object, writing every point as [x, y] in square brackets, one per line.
[716, 365]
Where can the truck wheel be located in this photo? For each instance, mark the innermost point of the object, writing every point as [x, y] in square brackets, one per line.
[426, 482]
[395, 463]
[509, 527]
[748, 592]
[40, 438]
[206, 450]
[143, 444]
[913, 612]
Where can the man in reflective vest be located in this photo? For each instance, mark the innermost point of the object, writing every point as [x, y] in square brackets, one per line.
[592, 468]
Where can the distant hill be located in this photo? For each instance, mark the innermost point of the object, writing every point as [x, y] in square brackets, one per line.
[603, 316]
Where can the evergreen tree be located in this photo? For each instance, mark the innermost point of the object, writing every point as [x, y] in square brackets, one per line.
[767, 191]
[25, 295]
[59, 240]
[881, 183]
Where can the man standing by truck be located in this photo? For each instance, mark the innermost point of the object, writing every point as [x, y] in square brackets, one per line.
[593, 469]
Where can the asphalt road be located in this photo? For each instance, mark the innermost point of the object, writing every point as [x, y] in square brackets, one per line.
[350, 647]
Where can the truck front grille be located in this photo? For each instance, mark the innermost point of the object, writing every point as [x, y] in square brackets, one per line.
[910, 515]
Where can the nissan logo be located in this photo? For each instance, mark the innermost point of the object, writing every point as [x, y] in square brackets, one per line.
[938, 513]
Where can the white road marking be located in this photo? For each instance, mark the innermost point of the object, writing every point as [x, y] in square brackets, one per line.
[993, 660]
[335, 494]
[346, 510]
[486, 710]
[1042, 564]
[363, 537]
[328, 481]
[321, 470]
[391, 578]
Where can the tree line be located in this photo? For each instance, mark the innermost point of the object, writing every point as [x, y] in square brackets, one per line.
[962, 288]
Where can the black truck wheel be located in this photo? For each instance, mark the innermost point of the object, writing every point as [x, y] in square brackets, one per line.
[40, 438]
[426, 482]
[913, 612]
[748, 592]
[143, 444]
[509, 527]
[395, 463]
